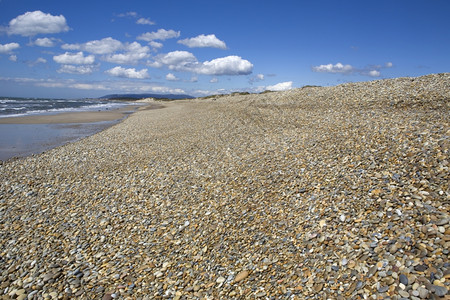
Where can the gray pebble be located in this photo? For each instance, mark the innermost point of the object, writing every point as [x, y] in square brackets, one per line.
[403, 279]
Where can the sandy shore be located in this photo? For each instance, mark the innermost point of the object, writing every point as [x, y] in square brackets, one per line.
[315, 193]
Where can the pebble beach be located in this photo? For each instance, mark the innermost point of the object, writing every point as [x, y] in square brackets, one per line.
[314, 193]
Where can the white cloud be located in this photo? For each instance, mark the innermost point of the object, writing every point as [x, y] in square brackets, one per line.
[8, 48]
[128, 73]
[374, 73]
[161, 34]
[171, 77]
[32, 23]
[134, 52]
[134, 86]
[230, 65]
[40, 60]
[71, 69]
[13, 58]
[175, 60]
[178, 59]
[128, 14]
[74, 58]
[256, 78]
[282, 86]
[144, 21]
[186, 61]
[155, 45]
[103, 46]
[161, 89]
[214, 80]
[337, 68]
[88, 86]
[71, 46]
[203, 41]
[50, 84]
[44, 42]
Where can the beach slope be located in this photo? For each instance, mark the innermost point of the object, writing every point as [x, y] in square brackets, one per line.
[321, 192]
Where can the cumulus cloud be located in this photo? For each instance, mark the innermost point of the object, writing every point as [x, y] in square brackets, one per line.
[186, 61]
[74, 58]
[131, 54]
[71, 69]
[145, 21]
[36, 22]
[178, 59]
[155, 45]
[161, 34]
[203, 41]
[230, 65]
[128, 73]
[13, 58]
[282, 86]
[134, 52]
[8, 48]
[171, 77]
[103, 46]
[175, 60]
[374, 73]
[214, 80]
[44, 42]
[337, 68]
[256, 78]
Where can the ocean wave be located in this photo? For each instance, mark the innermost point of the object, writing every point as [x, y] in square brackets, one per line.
[33, 108]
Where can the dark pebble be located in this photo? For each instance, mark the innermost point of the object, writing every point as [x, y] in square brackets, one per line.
[403, 279]
[420, 268]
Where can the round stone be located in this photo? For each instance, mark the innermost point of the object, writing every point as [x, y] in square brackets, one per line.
[403, 279]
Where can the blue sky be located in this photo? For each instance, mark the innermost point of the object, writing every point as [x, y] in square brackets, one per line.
[91, 48]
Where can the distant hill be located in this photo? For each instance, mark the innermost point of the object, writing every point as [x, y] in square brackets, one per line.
[141, 96]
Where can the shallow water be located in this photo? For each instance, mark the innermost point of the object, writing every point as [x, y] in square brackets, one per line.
[19, 140]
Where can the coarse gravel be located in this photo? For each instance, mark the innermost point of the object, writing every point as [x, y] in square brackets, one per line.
[314, 193]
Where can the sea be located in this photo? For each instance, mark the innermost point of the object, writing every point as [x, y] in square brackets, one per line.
[20, 140]
[17, 107]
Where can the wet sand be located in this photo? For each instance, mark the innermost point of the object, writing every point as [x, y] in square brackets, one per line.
[24, 136]
[20, 140]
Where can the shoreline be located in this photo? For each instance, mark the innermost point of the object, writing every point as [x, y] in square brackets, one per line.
[324, 192]
[28, 135]
[77, 117]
